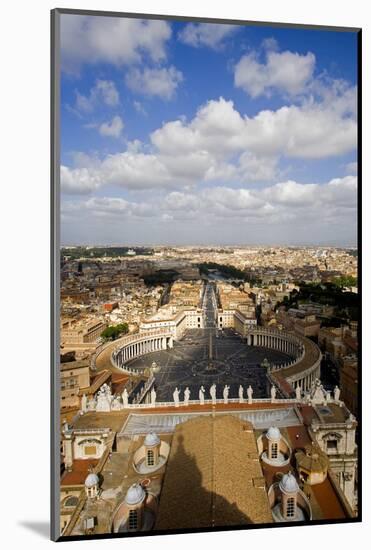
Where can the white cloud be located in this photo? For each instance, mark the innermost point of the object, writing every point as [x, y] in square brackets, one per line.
[211, 35]
[286, 72]
[79, 180]
[113, 128]
[313, 130]
[180, 201]
[134, 170]
[161, 82]
[221, 145]
[332, 202]
[270, 44]
[91, 39]
[253, 167]
[84, 103]
[290, 193]
[107, 90]
[289, 200]
[118, 206]
[139, 108]
[104, 91]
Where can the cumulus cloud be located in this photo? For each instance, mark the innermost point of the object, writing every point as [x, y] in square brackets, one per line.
[91, 39]
[286, 72]
[221, 145]
[113, 128]
[211, 35]
[161, 82]
[335, 200]
[313, 130]
[79, 180]
[118, 206]
[104, 91]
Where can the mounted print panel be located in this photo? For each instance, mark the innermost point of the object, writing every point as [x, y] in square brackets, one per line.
[206, 308]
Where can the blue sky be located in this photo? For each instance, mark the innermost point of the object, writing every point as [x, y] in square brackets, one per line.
[185, 133]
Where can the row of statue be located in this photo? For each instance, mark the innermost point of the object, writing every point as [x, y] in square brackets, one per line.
[105, 401]
[249, 391]
[212, 391]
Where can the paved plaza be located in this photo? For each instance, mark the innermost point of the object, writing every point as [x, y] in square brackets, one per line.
[234, 363]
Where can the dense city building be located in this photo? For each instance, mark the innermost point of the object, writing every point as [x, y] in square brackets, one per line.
[208, 409]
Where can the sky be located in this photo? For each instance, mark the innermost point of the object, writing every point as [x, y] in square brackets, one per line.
[184, 133]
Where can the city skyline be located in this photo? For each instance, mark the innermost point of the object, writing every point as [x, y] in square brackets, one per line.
[179, 133]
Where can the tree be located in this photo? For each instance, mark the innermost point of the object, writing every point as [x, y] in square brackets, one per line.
[345, 281]
[114, 331]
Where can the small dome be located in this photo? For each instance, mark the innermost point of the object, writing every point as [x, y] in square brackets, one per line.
[91, 480]
[135, 494]
[288, 484]
[273, 434]
[151, 439]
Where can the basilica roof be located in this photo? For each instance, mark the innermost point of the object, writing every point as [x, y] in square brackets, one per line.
[213, 476]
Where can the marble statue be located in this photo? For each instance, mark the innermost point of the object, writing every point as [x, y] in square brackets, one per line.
[240, 393]
[226, 393]
[91, 404]
[317, 394]
[298, 393]
[201, 395]
[84, 403]
[104, 399]
[187, 395]
[273, 393]
[250, 391]
[116, 405]
[336, 393]
[125, 398]
[176, 393]
[213, 393]
[153, 396]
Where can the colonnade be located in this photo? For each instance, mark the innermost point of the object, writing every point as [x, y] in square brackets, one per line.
[287, 343]
[307, 381]
[140, 345]
[305, 365]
